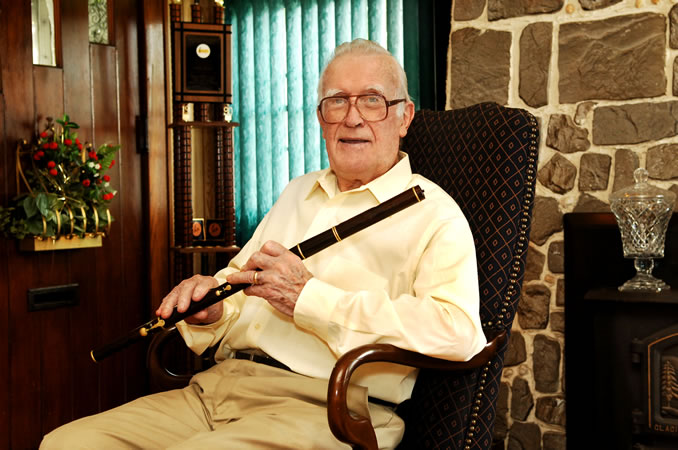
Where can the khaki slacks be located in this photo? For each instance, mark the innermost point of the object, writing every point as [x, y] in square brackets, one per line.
[236, 404]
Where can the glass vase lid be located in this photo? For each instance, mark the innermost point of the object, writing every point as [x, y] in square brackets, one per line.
[643, 212]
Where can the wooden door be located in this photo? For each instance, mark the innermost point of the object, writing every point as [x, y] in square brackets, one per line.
[47, 377]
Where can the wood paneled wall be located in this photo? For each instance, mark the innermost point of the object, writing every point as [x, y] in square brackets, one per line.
[46, 375]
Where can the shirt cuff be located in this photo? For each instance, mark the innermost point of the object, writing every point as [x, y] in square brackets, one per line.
[315, 305]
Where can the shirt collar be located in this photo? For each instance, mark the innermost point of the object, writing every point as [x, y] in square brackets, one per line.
[383, 188]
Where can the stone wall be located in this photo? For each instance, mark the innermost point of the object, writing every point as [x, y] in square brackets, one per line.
[601, 76]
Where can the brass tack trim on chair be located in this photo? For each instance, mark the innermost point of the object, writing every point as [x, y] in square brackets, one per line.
[521, 246]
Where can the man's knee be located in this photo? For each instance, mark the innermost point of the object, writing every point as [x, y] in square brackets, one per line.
[56, 439]
[70, 436]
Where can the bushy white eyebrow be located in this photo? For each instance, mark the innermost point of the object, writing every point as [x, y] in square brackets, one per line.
[371, 88]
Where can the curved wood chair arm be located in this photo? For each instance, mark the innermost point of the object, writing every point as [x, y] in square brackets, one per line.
[162, 376]
[357, 430]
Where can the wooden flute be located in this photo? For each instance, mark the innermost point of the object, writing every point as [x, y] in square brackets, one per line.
[303, 250]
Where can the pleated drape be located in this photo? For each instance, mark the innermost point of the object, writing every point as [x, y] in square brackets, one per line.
[279, 49]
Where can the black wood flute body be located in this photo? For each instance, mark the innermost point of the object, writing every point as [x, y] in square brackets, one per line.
[303, 250]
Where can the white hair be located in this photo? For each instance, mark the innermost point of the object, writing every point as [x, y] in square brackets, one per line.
[365, 47]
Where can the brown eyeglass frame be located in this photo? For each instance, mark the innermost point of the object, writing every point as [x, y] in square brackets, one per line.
[388, 103]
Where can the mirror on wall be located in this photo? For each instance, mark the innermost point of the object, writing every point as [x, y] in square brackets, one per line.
[43, 27]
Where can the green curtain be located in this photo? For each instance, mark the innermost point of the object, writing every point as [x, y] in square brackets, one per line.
[279, 48]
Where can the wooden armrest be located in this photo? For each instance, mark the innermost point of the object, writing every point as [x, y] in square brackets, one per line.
[162, 377]
[358, 430]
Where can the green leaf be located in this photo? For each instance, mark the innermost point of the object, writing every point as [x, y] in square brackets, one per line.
[30, 206]
[34, 227]
[43, 203]
[50, 216]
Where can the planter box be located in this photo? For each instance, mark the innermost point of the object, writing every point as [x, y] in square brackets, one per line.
[62, 243]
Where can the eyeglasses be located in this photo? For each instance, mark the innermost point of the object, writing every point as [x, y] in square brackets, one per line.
[371, 107]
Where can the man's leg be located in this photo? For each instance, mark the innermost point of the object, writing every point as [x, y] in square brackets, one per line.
[235, 404]
[260, 407]
[290, 429]
[154, 421]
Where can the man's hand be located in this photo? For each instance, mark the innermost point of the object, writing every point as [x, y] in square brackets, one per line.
[191, 290]
[280, 276]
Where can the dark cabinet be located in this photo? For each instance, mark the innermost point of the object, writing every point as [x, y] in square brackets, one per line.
[620, 347]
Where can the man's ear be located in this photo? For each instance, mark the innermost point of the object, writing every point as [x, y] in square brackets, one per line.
[408, 115]
[320, 122]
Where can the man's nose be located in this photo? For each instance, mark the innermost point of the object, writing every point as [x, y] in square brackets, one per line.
[353, 117]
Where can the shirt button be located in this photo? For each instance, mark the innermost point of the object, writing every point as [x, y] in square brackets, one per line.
[257, 326]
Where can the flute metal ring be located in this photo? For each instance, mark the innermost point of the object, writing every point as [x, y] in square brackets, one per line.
[254, 280]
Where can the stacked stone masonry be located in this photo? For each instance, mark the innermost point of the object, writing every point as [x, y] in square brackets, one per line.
[601, 76]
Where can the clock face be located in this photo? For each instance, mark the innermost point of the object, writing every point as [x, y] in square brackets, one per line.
[214, 229]
[203, 50]
[197, 229]
[204, 66]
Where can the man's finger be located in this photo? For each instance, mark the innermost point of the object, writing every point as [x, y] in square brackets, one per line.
[203, 288]
[251, 277]
[273, 248]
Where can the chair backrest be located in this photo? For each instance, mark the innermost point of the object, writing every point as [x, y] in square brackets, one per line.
[485, 157]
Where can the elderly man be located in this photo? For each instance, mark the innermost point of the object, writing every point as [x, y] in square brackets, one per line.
[409, 280]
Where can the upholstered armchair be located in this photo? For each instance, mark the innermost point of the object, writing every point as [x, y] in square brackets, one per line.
[485, 157]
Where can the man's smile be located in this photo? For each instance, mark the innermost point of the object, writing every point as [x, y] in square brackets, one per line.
[353, 141]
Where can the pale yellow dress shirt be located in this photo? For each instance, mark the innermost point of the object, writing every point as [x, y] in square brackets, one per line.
[410, 280]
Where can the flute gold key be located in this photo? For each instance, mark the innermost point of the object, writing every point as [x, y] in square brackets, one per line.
[303, 250]
[159, 324]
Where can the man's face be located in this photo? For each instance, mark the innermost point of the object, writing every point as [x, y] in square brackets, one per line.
[360, 151]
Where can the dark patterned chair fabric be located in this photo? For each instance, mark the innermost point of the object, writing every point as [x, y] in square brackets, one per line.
[485, 156]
